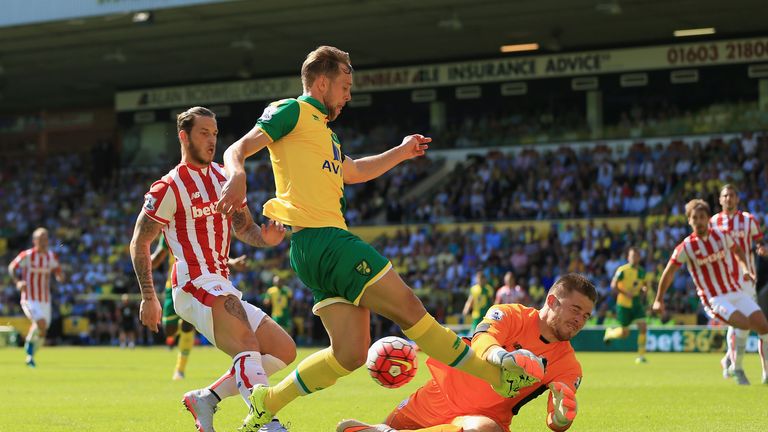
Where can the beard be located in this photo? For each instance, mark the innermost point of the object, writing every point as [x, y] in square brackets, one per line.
[199, 156]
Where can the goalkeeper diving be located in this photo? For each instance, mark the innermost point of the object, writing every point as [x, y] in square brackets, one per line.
[454, 401]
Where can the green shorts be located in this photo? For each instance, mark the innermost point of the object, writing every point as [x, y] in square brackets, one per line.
[626, 315]
[284, 321]
[169, 312]
[335, 264]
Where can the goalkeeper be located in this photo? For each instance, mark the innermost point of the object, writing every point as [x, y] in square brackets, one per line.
[454, 401]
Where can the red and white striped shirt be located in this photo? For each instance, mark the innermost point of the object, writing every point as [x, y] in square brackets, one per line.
[36, 271]
[709, 263]
[184, 202]
[745, 230]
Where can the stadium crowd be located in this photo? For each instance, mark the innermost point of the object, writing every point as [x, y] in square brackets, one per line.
[90, 219]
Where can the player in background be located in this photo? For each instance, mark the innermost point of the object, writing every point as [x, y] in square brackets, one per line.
[36, 265]
[745, 231]
[181, 205]
[278, 297]
[127, 319]
[511, 292]
[480, 299]
[347, 276]
[171, 327]
[453, 401]
[707, 252]
[630, 282]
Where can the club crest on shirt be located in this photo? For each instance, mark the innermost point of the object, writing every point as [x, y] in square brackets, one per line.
[149, 202]
[268, 113]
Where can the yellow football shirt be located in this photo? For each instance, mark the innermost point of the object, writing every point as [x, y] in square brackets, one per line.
[630, 280]
[307, 164]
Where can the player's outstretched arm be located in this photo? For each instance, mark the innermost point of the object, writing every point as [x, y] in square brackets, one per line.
[666, 280]
[371, 167]
[561, 407]
[741, 257]
[248, 232]
[233, 193]
[144, 233]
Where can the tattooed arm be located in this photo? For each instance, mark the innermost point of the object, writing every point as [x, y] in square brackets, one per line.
[248, 232]
[144, 233]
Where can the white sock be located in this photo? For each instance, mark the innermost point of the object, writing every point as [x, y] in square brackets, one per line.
[249, 372]
[225, 386]
[730, 342]
[762, 349]
[741, 346]
[272, 364]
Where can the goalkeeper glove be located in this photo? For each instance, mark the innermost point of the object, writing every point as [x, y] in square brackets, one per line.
[520, 368]
[561, 407]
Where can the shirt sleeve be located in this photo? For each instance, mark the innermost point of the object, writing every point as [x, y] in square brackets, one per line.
[55, 264]
[679, 257]
[160, 202]
[498, 325]
[19, 261]
[279, 118]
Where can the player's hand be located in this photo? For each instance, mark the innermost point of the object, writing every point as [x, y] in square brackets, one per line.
[238, 264]
[750, 277]
[519, 369]
[658, 306]
[150, 313]
[21, 285]
[563, 408]
[232, 195]
[414, 146]
[272, 233]
[762, 250]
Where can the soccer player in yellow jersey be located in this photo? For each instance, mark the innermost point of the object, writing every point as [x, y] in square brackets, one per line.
[347, 277]
[631, 283]
[480, 299]
[278, 297]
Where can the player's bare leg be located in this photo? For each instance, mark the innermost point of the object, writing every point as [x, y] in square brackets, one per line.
[35, 339]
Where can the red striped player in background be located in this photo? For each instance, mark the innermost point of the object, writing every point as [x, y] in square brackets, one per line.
[745, 230]
[181, 205]
[708, 253]
[36, 266]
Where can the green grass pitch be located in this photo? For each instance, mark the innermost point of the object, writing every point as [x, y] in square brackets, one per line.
[108, 389]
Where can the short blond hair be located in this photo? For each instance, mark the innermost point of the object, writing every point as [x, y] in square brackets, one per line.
[324, 60]
[695, 205]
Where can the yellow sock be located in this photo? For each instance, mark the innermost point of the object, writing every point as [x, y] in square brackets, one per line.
[641, 336]
[314, 373]
[186, 342]
[444, 345]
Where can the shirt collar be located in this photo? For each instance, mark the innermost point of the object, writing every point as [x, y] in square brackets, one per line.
[314, 102]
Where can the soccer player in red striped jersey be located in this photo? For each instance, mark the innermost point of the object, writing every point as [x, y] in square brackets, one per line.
[181, 205]
[36, 265]
[707, 253]
[745, 230]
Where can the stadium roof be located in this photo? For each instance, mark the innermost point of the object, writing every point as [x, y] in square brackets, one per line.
[83, 62]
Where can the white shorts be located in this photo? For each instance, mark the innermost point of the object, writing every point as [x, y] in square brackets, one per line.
[36, 310]
[749, 288]
[723, 306]
[193, 302]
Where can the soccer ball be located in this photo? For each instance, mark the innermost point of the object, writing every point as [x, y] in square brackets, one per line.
[392, 361]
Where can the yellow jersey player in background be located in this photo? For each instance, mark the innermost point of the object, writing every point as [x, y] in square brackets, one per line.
[631, 284]
[278, 297]
[481, 296]
[348, 278]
